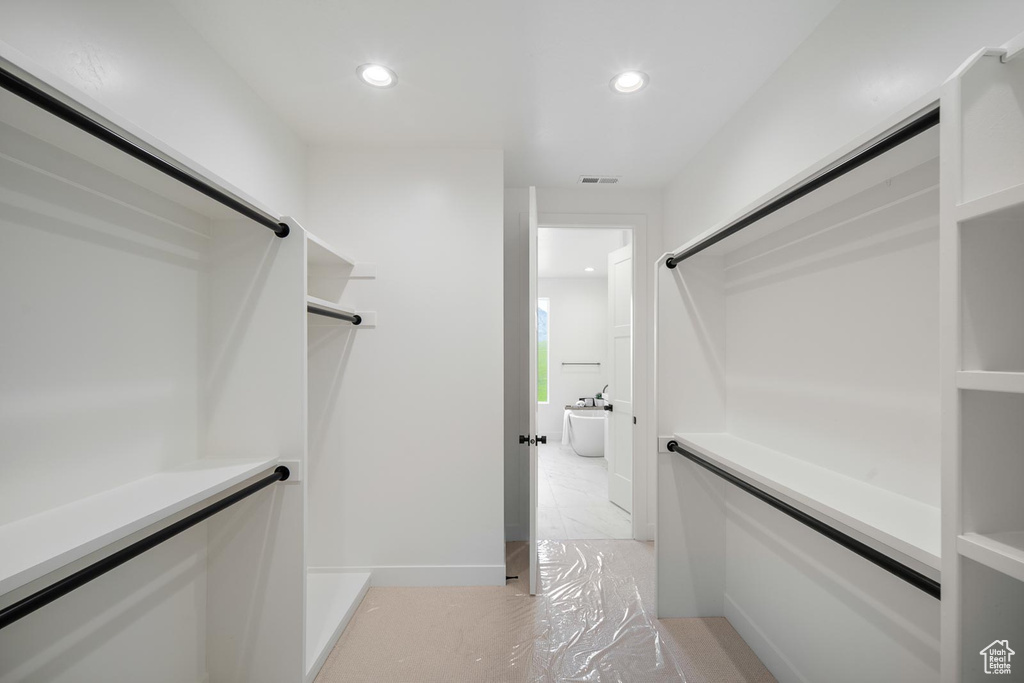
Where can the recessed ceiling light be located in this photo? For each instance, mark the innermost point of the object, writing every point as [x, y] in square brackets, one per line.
[588, 269]
[630, 81]
[376, 75]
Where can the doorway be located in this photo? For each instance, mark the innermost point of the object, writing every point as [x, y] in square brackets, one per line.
[584, 383]
[524, 438]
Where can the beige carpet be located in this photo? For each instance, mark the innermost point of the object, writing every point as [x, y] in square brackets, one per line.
[593, 623]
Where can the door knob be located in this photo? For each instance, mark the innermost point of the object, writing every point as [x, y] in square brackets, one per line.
[542, 439]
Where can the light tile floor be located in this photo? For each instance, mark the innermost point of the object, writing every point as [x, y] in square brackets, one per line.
[573, 498]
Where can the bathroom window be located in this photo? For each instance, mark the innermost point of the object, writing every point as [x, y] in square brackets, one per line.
[543, 309]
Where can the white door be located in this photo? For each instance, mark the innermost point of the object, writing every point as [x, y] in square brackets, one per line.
[531, 435]
[619, 448]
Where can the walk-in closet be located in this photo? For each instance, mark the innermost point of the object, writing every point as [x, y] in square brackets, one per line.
[374, 341]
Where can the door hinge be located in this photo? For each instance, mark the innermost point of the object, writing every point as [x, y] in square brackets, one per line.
[634, 419]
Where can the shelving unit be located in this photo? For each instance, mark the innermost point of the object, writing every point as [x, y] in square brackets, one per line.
[332, 594]
[900, 525]
[983, 363]
[53, 539]
[146, 377]
[797, 359]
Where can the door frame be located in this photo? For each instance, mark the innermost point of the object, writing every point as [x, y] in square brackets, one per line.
[642, 517]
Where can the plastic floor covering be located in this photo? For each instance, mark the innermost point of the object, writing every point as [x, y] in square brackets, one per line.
[593, 622]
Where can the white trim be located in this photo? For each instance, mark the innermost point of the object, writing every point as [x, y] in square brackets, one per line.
[431, 575]
[950, 656]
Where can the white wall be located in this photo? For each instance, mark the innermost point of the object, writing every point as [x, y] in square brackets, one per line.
[415, 440]
[866, 61]
[578, 201]
[577, 333]
[144, 62]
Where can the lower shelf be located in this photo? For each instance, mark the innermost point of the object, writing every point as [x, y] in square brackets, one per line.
[331, 600]
[905, 525]
[40, 544]
[1003, 552]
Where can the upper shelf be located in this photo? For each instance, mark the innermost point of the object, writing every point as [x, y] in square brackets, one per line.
[322, 255]
[903, 524]
[1006, 204]
[323, 260]
[1003, 552]
[900, 174]
[114, 148]
[1007, 382]
[39, 544]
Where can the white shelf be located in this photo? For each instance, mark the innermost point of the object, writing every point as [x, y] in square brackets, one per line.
[324, 260]
[322, 255]
[1005, 204]
[903, 524]
[1003, 552]
[331, 600]
[1007, 382]
[39, 544]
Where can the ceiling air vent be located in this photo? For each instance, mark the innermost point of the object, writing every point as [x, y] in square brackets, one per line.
[598, 179]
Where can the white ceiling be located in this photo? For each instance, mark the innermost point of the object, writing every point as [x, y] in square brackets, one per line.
[529, 76]
[565, 252]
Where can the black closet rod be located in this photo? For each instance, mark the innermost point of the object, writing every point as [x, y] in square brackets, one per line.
[41, 598]
[898, 569]
[62, 110]
[857, 159]
[355, 318]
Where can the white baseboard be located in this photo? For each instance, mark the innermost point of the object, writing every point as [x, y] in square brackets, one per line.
[434, 575]
[761, 644]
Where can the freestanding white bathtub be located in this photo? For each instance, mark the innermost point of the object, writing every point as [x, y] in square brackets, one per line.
[587, 432]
